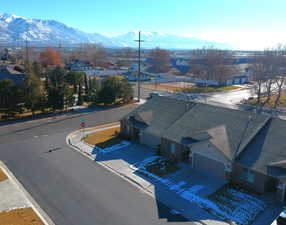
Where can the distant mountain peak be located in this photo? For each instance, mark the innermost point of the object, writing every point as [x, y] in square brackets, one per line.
[9, 17]
[51, 32]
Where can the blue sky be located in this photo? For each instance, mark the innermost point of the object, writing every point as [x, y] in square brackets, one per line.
[248, 24]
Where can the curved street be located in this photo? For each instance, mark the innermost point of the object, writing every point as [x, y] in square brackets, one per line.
[72, 189]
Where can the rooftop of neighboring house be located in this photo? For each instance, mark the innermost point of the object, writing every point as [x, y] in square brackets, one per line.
[12, 72]
[266, 152]
[159, 113]
[256, 141]
[226, 127]
[78, 63]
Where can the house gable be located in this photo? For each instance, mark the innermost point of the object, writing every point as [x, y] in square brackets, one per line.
[228, 128]
[266, 152]
[209, 150]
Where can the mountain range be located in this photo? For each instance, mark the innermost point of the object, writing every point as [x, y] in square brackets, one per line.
[15, 29]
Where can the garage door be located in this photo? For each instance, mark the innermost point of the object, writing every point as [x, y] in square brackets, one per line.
[209, 165]
[150, 140]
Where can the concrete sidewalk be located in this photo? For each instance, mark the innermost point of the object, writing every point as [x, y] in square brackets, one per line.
[15, 197]
[120, 162]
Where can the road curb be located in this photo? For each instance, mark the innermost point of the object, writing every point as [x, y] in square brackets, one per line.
[128, 179]
[36, 207]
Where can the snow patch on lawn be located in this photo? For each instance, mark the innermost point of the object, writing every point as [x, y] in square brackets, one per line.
[195, 189]
[146, 162]
[14, 208]
[240, 207]
[233, 205]
[178, 186]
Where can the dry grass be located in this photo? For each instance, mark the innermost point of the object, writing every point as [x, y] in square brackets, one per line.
[25, 216]
[164, 87]
[209, 89]
[104, 138]
[187, 87]
[105, 125]
[2, 176]
[271, 102]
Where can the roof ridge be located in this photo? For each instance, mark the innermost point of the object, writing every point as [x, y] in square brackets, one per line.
[193, 104]
[250, 137]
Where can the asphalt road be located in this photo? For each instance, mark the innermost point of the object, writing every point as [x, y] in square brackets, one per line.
[227, 97]
[72, 189]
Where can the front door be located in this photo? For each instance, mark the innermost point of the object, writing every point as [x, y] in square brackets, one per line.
[136, 134]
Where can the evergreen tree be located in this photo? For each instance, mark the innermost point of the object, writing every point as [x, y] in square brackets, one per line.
[86, 84]
[115, 88]
[93, 90]
[57, 76]
[10, 97]
[33, 92]
[56, 97]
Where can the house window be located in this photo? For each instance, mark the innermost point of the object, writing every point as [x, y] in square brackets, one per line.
[127, 129]
[248, 175]
[173, 148]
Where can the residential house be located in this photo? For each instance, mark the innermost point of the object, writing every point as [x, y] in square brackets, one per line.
[77, 65]
[236, 146]
[8, 71]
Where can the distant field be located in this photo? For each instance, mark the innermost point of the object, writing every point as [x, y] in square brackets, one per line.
[171, 86]
[271, 103]
[187, 87]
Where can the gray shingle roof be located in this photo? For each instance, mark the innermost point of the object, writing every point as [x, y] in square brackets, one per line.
[225, 126]
[160, 113]
[267, 149]
[262, 139]
[9, 73]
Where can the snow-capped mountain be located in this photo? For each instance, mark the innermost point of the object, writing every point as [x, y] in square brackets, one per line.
[49, 32]
[168, 41]
[14, 28]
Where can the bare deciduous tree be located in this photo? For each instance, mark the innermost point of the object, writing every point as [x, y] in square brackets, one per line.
[269, 73]
[212, 64]
[160, 61]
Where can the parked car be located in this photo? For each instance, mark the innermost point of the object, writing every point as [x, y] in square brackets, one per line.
[281, 219]
[153, 94]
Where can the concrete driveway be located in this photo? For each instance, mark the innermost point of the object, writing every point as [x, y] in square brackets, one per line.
[208, 183]
[166, 189]
[121, 160]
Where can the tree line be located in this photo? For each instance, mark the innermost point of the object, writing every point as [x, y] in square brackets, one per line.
[269, 74]
[49, 86]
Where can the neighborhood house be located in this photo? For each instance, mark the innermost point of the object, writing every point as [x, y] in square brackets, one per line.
[8, 72]
[244, 148]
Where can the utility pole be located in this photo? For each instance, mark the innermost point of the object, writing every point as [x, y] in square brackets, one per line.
[139, 64]
[27, 56]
